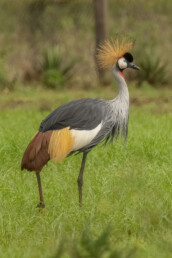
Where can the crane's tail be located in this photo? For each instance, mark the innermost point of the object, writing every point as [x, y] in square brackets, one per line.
[55, 145]
[36, 154]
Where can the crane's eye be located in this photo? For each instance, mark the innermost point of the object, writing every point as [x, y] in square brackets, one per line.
[122, 63]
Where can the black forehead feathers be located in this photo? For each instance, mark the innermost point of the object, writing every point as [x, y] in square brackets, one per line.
[128, 57]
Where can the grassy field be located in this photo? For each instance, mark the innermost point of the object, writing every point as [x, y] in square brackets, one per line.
[127, 192]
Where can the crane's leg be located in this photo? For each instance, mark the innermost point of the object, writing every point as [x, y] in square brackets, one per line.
[41, 204]
[80, 178]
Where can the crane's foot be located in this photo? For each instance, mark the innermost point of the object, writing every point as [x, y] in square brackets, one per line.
[40, 205]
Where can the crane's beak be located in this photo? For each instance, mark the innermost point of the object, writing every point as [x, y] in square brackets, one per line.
[133, 66]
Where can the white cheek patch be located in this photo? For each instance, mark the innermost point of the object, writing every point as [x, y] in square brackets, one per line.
[122, 63]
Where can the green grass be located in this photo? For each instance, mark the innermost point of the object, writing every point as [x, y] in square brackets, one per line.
[128, 189]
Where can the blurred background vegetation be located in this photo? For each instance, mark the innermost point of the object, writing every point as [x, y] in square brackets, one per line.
[52, 42]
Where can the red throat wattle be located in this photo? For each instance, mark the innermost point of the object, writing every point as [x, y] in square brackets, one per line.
[121, 71]
[121, 74]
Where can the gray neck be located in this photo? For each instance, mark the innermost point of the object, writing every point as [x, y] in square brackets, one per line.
[123, 93]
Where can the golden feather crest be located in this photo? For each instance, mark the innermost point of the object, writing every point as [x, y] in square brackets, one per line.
[110, 51]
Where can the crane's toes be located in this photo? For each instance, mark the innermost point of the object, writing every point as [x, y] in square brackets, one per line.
[40, 205]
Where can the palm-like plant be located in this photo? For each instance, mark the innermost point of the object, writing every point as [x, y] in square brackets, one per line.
[152, 70]
[56, 72]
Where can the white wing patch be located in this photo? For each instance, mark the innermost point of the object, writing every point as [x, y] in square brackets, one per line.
[84, 137]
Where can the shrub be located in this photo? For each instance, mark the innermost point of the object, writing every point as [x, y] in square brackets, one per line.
[4, 80]
[152, 70]
[55, 71]
[89, 247]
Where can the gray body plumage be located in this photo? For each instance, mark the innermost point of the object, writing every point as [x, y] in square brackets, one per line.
[82, 114]
[87, 114]
[115, 123]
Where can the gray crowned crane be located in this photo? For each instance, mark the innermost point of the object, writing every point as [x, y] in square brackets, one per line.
[80, 125]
